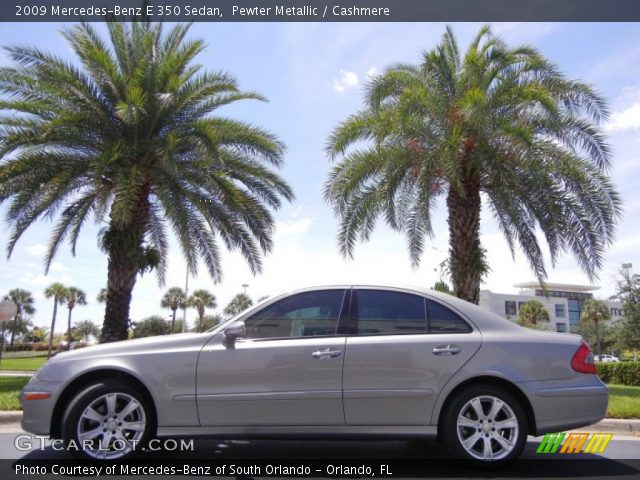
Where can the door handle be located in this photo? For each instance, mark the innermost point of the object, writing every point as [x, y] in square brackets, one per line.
[446, 350]
[326, 353]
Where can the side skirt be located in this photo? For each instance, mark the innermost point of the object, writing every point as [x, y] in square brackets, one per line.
[310, 432]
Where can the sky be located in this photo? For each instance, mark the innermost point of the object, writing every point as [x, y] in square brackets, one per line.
[314, 75]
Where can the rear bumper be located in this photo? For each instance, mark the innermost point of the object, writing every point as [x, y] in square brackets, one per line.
[564, 405]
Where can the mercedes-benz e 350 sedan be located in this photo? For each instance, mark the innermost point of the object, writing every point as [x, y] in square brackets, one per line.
[332, 361]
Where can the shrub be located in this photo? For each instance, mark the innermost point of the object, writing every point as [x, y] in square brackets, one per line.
[622, 373]
[18, 347]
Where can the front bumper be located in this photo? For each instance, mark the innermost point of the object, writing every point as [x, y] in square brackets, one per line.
[37, 414]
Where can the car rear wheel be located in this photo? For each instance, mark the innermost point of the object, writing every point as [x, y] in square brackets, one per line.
[109, 420]
[484, 424]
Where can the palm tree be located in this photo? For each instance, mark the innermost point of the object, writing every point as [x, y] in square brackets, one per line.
[86, 329]
[58, 292]
[595, 312]
[497, 123]
[127, 135]
[240, 302]
[532, 313]
[24, 301]
[73, 297]
[201, 299]
[173, 299]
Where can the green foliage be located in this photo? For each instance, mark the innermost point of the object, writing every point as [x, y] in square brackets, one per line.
[532, 313]
[607, 334]
[57, 291]
[21, 322]
[207, 322]
[37, 334]
[442, 286]
[622, 373]
[629, 294]
[200, 300]
[102, 296]
[74, 296]
[595, 312]
[174, 299]
[498, 120]
[150, 327]
[240, 302]
[86, 329]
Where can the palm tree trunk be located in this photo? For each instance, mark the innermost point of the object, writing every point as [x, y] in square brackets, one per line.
[13, 330]
[53, 324]
[69, 330]
[173, 320]
[125, 254]
[465, 252]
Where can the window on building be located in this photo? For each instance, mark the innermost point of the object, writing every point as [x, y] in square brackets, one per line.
[560, 313]
[510, 308]
[574, 312]
[561, 327]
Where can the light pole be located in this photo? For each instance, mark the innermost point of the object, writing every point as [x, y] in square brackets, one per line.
[245, 285]
[186, 296]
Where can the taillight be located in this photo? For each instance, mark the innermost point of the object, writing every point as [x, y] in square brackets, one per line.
[582, 360]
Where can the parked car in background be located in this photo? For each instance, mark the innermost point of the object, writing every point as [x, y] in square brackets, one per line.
[607, 358]
[338, 361]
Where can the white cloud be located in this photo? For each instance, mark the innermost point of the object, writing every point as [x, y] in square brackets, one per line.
[37, 249]
[45, 280]
[626, 119]
[346, 81]
[372, 72]
[293, 227]
[58, 267]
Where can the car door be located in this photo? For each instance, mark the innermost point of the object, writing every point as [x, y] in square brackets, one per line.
[287, 370]
[401, 351]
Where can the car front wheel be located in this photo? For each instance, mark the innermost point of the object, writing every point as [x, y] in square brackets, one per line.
[485, 425]
[108, 420]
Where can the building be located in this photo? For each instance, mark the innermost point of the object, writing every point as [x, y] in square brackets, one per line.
[562, 301]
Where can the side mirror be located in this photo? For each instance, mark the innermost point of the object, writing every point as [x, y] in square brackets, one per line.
[234, 331]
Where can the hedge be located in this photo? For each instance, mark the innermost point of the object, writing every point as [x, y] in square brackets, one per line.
[620, 373]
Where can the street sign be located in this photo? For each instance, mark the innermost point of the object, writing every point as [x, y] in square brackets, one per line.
[8, 310]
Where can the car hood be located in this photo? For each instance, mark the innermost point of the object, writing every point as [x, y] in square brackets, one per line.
[137, 345]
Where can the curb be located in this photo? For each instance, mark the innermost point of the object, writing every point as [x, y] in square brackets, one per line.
[615, 425]
[10, 417]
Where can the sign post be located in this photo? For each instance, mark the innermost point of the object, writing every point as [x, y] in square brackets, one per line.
[8, 310]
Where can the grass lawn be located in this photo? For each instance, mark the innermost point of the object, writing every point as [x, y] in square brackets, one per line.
[9, 390]
[624, 402]
[27, 363]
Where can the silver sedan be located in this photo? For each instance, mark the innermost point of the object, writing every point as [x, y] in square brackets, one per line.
[330, 361]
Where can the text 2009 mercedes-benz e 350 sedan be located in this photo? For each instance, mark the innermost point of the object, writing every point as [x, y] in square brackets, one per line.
[337, 361]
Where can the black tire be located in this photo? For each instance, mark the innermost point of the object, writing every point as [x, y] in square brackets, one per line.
[505, 444]
[112, 430]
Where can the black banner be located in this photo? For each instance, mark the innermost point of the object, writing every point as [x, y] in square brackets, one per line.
[558, 467]
[322, 10]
